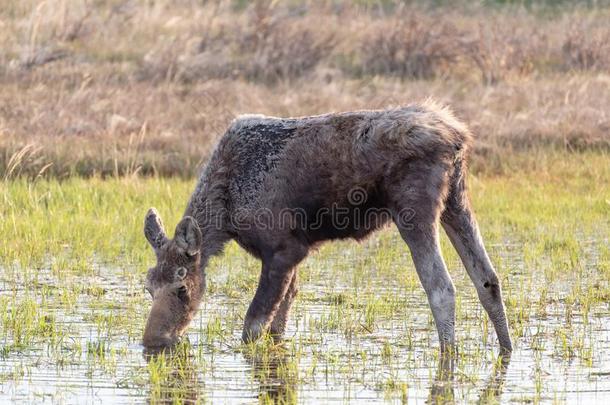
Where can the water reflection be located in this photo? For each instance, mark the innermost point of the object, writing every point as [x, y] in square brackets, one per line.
[495, 384]
[276, 372]
[442, 388]
[173, 377]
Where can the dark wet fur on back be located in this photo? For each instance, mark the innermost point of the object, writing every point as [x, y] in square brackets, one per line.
[265, 144]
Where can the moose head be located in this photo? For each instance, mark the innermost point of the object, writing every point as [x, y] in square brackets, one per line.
[176, 283]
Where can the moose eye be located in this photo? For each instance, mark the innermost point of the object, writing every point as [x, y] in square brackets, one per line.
[181, 273]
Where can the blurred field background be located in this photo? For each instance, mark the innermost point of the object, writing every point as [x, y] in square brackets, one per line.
[124, 87]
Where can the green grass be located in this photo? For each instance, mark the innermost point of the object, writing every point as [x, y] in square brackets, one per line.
[73, 259]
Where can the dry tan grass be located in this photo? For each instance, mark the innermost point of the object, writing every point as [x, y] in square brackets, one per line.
[120, 87]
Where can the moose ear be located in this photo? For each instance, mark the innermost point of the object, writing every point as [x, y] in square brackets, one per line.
[188, 236]
[153, 229]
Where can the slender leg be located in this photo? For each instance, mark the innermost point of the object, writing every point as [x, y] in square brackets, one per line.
[425, 250]
[278, 325]
[275, 279]
[418, 192]
[461, 227]
[463, 232]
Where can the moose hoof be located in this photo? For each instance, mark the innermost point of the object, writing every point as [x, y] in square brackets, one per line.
[253, 329]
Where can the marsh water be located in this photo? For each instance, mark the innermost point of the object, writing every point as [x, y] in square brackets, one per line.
[361, 330]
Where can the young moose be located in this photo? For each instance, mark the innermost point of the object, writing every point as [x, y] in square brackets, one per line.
[281, 186]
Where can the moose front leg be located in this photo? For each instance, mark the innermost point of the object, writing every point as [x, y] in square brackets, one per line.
[276, 275]
[278, 325]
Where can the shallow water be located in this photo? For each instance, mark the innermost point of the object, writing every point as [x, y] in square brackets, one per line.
[361, 330]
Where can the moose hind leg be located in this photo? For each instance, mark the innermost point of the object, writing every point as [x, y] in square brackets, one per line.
[423, 242]
[274, 282]
[416, 197]
[461, 228]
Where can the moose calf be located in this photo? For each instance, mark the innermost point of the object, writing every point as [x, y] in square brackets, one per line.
[280, 186]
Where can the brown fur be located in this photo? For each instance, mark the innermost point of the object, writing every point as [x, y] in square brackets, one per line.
[280, 186]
